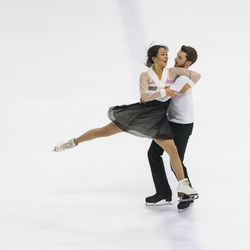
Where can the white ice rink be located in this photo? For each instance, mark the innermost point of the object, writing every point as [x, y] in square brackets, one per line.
[63, 63]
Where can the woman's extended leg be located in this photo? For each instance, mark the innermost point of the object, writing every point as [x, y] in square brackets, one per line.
[108, 130]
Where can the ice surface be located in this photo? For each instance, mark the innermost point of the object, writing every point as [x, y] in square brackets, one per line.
[63, 64]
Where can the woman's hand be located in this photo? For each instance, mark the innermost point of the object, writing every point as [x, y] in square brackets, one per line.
[171, 93]
[141, 101]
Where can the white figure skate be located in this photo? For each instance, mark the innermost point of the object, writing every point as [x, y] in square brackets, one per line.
[65, 145]
[185, 189]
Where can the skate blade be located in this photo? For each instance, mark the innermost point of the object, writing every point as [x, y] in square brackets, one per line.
[193, 196]
[160, 203]
[190, 198]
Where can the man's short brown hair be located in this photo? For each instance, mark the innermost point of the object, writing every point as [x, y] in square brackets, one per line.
[191, 53]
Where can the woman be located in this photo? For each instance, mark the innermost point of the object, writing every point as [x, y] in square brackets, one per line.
[147, 119]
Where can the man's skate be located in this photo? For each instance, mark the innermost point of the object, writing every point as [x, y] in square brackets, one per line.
[185, 203]
[185, 192]
[65, 145]
[158, 200]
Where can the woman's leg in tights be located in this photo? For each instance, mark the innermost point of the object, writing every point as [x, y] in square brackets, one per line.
[105, 131]
[170, 148]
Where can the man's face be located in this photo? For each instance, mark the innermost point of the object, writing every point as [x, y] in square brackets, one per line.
[181, 60]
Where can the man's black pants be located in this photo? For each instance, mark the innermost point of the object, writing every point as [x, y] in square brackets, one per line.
[181, 134]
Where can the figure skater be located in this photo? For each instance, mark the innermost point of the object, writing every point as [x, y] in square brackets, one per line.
[148, 119]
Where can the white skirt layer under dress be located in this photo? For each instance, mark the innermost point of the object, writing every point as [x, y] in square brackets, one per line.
[144, 120]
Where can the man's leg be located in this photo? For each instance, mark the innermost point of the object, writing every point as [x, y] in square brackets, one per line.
[163, 190]
[181, 136]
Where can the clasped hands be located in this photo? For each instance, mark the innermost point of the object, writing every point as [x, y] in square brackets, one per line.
[169, 92]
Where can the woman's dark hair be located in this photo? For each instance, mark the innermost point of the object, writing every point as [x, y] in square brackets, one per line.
[152, 52]
[191, 53]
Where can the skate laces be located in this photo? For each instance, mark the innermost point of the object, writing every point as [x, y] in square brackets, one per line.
[186, 182]
[69, 144]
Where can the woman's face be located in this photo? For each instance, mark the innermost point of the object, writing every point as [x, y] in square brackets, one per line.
[162, 58]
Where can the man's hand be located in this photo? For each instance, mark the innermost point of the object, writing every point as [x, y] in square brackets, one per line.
[171, 93]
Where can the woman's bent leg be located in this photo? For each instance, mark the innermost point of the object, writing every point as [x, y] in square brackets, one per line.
[183, 185]
[170, 148]
[108, 130]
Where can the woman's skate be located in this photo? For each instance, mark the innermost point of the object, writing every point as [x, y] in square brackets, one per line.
[65, 145]
[185, 189]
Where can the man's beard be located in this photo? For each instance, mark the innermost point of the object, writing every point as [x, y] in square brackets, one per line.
[181, 66]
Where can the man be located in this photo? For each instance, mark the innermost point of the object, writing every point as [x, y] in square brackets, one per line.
[180, 116]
